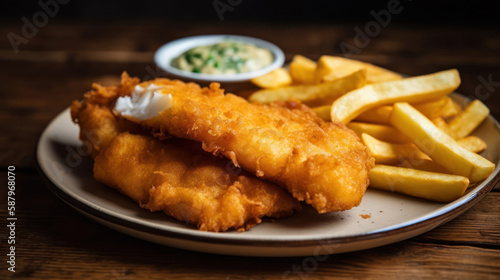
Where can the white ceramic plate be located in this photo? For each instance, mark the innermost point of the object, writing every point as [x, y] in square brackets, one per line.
[391, 217]
[168, 52]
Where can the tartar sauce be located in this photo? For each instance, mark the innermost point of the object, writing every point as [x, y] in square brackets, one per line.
[228, 57]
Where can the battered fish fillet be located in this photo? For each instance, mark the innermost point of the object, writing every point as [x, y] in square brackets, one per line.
[323, 163]
[174, 176]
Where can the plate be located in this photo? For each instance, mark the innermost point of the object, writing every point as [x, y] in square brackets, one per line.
[168, 52]
[382, 217]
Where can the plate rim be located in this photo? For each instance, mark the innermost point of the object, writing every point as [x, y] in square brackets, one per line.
[434, 218]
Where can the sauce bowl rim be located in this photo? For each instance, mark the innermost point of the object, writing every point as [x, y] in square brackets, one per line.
[168, 52]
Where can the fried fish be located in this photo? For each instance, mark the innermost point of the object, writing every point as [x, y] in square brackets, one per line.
[173, 175]
[322, 163]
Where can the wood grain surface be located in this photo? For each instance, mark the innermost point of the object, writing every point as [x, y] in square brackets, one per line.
[61, 62]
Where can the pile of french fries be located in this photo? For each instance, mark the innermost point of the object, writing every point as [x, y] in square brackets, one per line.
[419, 136]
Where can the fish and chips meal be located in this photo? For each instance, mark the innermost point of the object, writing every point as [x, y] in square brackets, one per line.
[319, 132]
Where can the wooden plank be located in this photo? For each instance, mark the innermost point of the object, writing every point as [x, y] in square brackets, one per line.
[480, 225]
[59, 64]
[102, 254]
[394, 38]
[71, 246]
[406, 260]
[27, 105]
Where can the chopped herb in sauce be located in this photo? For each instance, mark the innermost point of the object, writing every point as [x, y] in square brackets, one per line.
[228, 57]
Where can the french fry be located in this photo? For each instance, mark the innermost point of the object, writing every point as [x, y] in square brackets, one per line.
[443, 107]
[438, 145]
[470, 118]
[423, 164]
[379, 131]
[416, 89]
[441, 124]
[330, 68]
[323, 112]
[389, 153]
[429, 185]
[379, 115]
[302, 70]
[274, 79]
[312, 95]
[431, 158]
[472, 143]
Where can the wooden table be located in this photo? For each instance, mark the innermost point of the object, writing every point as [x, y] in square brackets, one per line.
[60, 62]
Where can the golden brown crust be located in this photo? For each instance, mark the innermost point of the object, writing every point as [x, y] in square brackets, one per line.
[174, 176]
[323, 163]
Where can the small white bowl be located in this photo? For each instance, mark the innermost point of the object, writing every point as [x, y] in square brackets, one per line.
[170, 51]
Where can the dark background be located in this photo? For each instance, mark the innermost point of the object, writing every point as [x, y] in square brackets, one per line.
[446, 12]
[94, 41]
